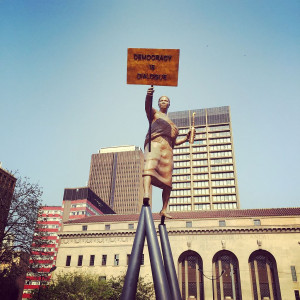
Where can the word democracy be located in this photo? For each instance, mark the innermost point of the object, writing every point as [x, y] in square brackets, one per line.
[152, 57]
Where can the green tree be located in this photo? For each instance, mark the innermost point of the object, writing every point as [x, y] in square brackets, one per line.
[21, 221]
[81, 286]
[21, 233]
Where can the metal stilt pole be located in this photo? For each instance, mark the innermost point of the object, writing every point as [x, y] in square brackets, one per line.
[161, 285]
[169, 263]
[132, 275]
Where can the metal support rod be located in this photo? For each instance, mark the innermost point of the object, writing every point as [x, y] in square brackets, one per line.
[169, 263]
[161, 285]
[150, 123]
[132, 275]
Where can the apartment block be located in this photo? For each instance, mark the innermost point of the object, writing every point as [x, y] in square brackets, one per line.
[43, 258]
[204, 175]
[83, 202]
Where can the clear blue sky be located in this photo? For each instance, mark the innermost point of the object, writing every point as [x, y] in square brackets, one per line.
[63, 91]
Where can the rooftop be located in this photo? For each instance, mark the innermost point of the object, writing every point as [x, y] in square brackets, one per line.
[119, 149]
[220, 214]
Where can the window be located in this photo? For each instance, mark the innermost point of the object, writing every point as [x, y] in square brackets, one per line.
[264, 275]
[226, 269]
[188, 224]
[190, 275]
[297, 295]
[68, 261]
[92, 260]
[128, 258]
[222, 223]
[256, 222]
[116, 260]
[80, 258]
[84, 227]
[104, 259]
[107, 227]
[130, 226]
[294, 274]
[102, 278]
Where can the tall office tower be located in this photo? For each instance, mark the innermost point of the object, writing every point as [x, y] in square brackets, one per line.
[204, 175]
[116, 177]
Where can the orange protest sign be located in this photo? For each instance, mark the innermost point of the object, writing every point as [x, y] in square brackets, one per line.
[153, 66]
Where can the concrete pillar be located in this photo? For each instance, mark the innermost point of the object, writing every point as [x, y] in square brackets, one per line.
[207, 283]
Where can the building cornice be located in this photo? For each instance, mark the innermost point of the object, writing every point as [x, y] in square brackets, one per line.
[190, 231]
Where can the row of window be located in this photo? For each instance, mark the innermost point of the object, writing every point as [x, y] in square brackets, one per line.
[181, 185]
[222, 175]
[219, 134]
[200, 183]
[203, 176]
[182, 177]
[182, 157]
[227, 190]
[221, 161]
[202, 155]
[201, 199]
[199, 155]
[204, 162]
[221, 154]
[220, 206]
[103, 260]
[219, 141]
[222, 168]
[224, 198]
[202, 128]
[204, 206]
[201, 191]
[218, 128]
[107, 227]
[180, 207]
[220, 147]
[222, 182]
[180, 200]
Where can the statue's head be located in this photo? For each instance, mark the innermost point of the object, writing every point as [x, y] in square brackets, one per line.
[163, 99]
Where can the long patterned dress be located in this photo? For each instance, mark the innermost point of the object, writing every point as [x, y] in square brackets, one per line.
[159, 162]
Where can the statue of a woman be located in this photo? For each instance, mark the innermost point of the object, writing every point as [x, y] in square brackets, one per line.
[158, 163]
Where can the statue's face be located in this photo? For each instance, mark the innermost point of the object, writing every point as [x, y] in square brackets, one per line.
[164, 102]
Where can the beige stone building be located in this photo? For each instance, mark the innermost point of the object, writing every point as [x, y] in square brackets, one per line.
[237, 254]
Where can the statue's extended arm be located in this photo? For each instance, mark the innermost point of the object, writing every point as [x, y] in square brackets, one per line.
[148, 104]
[184, 139]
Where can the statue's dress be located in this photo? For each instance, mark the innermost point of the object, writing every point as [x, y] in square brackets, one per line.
[159, 162]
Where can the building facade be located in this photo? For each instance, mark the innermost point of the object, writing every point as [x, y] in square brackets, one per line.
[82, 202]
[116, 177]
[204, 175]
[7, 186]
[43, 258]
[239, 254]
[77, 203]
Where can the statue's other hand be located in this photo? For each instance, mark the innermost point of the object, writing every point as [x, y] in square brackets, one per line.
[188, 134]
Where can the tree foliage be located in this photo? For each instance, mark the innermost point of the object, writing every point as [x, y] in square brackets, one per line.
[81, 286]
[21, 225]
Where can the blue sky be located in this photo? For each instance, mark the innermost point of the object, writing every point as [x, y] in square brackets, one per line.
[63, 91]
